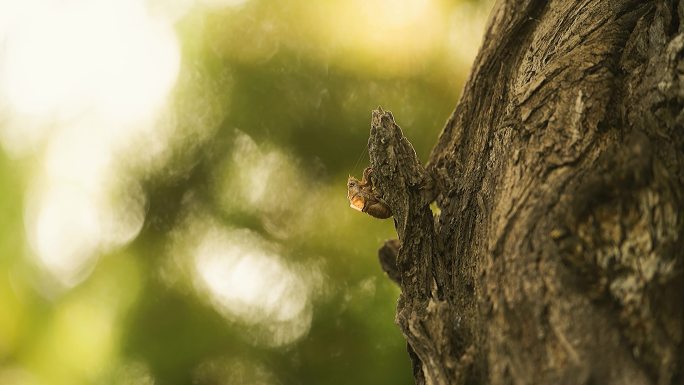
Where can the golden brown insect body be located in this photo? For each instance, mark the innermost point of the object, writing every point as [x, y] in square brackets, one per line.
[364, 198]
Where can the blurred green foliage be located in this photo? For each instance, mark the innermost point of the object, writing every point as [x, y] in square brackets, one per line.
[269, 115]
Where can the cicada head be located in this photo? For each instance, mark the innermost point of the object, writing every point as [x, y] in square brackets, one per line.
[353, 187]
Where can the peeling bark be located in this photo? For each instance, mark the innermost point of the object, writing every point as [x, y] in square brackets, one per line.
[556, 257]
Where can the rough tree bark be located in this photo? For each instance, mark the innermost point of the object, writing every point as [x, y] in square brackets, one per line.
[556, 255]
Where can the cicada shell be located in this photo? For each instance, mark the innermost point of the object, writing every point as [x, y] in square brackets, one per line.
[362, 197]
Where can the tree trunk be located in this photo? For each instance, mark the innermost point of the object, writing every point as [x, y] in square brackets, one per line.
[556, 254]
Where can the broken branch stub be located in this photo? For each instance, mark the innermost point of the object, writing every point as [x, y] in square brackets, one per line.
[408, 189]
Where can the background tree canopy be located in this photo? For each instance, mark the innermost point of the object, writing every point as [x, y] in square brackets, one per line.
[173, 184]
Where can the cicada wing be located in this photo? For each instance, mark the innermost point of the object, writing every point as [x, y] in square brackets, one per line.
[357, 203]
